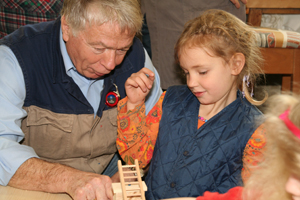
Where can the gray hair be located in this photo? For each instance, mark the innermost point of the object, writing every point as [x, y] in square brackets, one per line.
[126, 13]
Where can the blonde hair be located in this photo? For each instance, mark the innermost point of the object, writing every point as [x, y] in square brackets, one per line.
[282, 155]
[225, 35]
[126, 13]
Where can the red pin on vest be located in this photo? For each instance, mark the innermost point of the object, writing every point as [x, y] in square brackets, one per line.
[112, 98]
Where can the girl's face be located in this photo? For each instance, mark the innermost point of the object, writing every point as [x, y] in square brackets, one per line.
[209, 77]
[292, 186]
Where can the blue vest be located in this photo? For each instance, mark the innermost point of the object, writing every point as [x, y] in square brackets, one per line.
[47, 84]
[60, 124]
[188, 161]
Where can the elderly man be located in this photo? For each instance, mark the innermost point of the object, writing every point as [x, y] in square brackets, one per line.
[60, 82]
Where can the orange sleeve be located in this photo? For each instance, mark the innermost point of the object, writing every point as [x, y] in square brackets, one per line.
[137, 133]
[253, 152]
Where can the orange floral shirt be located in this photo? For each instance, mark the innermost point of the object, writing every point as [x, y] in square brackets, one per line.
[137, 135]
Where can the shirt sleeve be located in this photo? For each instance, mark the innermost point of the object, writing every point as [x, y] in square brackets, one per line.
[156, 90]
[253, 152]
[234, 194]
[12, 95]
[137, 132]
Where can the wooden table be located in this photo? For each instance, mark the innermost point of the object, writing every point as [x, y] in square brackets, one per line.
[10, 193]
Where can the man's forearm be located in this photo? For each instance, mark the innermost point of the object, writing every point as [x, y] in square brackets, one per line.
[36, 174]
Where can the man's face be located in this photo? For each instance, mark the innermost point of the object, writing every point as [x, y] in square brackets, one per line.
[97, 50]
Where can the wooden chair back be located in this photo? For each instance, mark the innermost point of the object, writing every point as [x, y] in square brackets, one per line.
[278, 60]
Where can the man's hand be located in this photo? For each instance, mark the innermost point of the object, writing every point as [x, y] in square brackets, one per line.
[137, 86]
[237, 3]
[89, 186]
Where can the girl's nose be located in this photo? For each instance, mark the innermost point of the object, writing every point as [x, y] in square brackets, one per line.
[191, 81]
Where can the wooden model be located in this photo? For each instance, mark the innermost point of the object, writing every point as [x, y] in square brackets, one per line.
[131, 186]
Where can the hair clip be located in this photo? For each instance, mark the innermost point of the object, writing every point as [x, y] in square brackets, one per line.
[289, 124]
[246, 80]
[251, 94]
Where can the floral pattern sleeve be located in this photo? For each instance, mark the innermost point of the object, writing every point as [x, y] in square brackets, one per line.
[137, 132]
[253, 152]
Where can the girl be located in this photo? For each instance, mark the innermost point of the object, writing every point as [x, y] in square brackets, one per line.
[278, 176]
[206, 133]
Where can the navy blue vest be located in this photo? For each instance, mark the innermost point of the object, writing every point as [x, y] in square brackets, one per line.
[188, 161]
[47, 84]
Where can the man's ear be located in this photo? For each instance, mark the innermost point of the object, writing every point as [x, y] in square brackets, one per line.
[237, 63]
[65, 29]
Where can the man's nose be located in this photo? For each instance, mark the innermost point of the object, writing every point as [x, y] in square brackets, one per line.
[109, 59]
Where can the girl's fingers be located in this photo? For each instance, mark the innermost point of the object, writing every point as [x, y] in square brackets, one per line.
[140, 80]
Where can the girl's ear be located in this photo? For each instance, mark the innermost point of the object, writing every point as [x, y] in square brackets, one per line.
[237, 63]
[65, 29]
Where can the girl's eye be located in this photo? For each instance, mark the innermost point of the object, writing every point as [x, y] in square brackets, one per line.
[203, 73]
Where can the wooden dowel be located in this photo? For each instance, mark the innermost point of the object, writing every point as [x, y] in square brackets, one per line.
[139, 178]
[122, 180]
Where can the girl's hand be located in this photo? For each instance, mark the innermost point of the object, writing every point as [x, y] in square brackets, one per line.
[138, 86]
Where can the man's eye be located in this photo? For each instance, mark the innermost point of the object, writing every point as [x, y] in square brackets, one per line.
[121, 51]
[100, 50]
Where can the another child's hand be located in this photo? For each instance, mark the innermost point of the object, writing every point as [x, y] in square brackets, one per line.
[237, 3]
[138, 86]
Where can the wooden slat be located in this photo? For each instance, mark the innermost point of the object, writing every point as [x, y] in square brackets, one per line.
[280, 11]
[296, 72]
[122, 179]
[286, 84]
[132, 183]
[139, 179]
[128, 166]
[130, 188]
[254, 17]
[129, 172]
[273, 4]
[278, 60]
[130, 178]
[134, 195]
